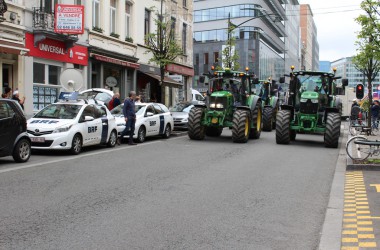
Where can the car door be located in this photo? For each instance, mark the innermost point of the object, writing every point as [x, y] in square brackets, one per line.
[8, 132]
[160, 119]
[92, 129]
[150, 120]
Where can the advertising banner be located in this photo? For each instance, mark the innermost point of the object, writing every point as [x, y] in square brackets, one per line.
[69, 19]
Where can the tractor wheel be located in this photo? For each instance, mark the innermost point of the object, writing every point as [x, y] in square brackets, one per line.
[257, 119]
[196, 131]
[267, 118]
[283, 127]
[332, 130]
[214, 131]
[241, 126]
[274, 115]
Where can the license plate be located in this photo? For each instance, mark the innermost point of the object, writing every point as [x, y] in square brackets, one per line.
[37, 139]
[214, 120]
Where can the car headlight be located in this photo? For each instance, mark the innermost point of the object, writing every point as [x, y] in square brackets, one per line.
[62, 129]
[184, 119]
[212, 105]
[219, 106]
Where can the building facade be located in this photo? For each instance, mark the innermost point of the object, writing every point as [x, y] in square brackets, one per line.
[259, 34]
[309, 42]
[293, 35]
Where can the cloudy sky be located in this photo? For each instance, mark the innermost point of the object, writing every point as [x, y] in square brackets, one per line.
[336, 27]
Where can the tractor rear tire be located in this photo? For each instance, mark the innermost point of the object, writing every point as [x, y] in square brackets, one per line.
[196, 131]
[241, 126]
[332, 132]
[214, 131]
[267, 118]
[283, 127]
[257, 119]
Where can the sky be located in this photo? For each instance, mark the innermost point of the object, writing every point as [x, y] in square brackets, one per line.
[336, 27]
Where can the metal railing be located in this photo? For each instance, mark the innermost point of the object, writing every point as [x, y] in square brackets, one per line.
[42, 19]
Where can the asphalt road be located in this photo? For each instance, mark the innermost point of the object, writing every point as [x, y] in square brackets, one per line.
[170, 194]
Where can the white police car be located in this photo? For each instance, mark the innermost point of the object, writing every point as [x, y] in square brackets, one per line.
[151, 119]
[71, 125]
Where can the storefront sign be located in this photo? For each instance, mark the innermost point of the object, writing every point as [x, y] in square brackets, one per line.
[69, 19]
[178, 69]
[116, 61]
[56, 50]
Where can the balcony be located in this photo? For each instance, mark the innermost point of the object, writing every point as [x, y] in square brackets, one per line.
[43, 25]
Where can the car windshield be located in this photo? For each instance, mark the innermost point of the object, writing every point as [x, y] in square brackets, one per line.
[100, 96]
[119, 109]
[59, 111]
[182, 107]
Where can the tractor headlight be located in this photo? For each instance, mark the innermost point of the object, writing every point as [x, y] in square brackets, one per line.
[314, 100]
[62, 129]
[303, 100]
[219, 106]
[212, 105]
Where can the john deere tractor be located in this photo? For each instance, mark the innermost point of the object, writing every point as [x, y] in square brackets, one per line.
[311, 107]
[270, 103]
[230, 103]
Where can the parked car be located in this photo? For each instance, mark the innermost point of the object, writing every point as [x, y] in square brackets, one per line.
[151, 119]
[99, 94]
[13, 137]
[180, 113]
[71, 125]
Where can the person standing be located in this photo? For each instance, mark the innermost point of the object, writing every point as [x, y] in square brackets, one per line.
[114, 102]
[375, 111]
[16, 97]
[129, 117]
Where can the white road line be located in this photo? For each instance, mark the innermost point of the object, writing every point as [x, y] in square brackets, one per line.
[80, 156]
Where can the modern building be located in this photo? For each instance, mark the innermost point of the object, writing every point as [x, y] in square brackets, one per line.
[259, 34]
[310, 45]
[325, 66]
[293, 35]
[346, 69]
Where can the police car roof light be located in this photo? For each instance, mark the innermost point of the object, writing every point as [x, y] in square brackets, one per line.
[66, 96]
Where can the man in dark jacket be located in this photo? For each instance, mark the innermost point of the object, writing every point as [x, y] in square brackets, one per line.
[375, 110]
[130, 118]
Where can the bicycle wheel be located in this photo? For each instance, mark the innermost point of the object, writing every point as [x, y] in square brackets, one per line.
[358, 152]
[352, 128]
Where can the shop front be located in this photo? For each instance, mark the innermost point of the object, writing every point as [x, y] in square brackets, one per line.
[44, 63]
[112, 71]
[182, 74]
[150, 89]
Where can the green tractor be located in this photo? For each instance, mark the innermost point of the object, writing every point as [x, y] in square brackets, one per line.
[230, 103]
[270, 103]
[311, 107]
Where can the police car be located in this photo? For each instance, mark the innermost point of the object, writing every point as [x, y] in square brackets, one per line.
[71, 125]
[151, 119]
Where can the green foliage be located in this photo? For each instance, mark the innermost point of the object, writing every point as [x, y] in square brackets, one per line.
[129, 39]
[230, 56]
[114, 35]
[162, 44]
[97, 29]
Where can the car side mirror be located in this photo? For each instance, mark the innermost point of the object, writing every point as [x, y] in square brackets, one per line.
[149, 114]
[88, 118]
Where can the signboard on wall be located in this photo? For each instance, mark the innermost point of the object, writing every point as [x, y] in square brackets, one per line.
[56, 50]
[69, 19]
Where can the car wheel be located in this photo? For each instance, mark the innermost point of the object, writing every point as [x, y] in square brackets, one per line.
[113, 138]
[22, 151]
[76, 145]
[141, 134]
[167, 132]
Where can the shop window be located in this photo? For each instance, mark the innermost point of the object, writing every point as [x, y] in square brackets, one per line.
[38, 73]
[54, 74]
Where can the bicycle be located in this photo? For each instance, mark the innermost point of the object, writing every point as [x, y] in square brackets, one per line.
[360, 148]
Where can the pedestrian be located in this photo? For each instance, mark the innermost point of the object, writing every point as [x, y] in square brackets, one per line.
[129, 117]
[138, 99]
[8, 93]
[16, 97]
[375, 110]
[355, 103]
[115, 101]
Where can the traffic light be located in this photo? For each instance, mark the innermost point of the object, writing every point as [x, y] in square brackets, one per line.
[359, 91]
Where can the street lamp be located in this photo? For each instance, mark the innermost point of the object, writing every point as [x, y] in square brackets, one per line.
[232, 26]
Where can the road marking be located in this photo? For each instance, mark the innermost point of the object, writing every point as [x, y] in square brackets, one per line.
[357, 232]
[377, 186]
[80, 156]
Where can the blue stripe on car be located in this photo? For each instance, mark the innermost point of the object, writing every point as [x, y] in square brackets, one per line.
[104, 130]
[162, 124]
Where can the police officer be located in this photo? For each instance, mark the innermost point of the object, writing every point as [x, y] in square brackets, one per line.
[130, 118]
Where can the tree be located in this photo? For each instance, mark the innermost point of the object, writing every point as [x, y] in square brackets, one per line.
[163, 44]
[230, 56]
[367, 61]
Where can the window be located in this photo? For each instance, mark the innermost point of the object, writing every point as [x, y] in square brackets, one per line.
[147, 22]
[113, 16]
[172, 28]
[48, 5]
[216, 57]
[184, 38]
[205, 58]
[96, 13]
[128, 7]
[184, 3]
[78, 2]
[5, 110]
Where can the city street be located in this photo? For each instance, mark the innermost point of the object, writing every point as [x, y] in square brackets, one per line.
[170, 194]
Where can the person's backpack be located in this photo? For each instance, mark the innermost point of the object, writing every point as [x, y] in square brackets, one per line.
[110, 104]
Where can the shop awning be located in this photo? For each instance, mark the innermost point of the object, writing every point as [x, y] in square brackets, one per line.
[12, 48]
[167, 80]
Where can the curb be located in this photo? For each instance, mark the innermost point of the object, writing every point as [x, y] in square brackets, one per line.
[332, 225]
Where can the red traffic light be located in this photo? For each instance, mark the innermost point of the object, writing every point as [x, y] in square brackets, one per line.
[359, 91]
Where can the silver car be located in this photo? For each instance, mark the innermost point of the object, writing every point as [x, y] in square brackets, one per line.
[180, 113]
